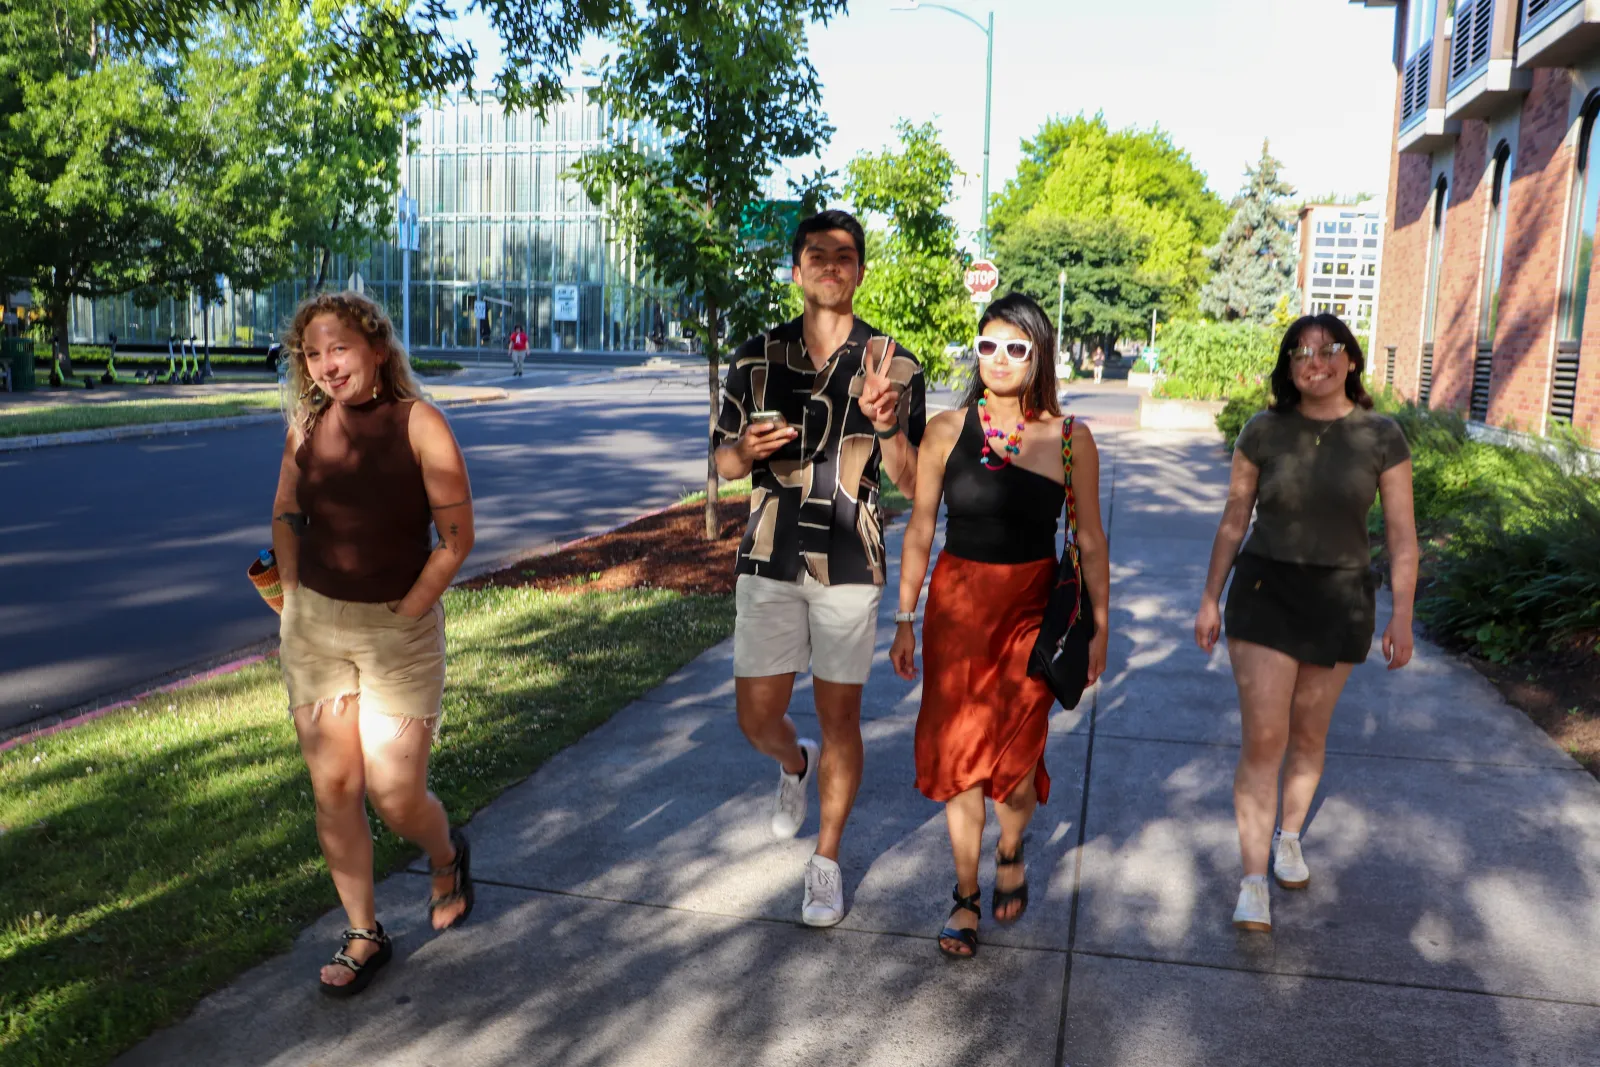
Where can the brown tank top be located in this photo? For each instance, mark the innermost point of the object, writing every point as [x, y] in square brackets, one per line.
[361, 489]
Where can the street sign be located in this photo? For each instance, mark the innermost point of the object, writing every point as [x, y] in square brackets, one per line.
[566, 303]
[982, 279]
[770, 221]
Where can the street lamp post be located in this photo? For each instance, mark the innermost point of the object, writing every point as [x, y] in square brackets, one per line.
[988, 106]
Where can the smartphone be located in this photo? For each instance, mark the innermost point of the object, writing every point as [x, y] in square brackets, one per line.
[768, 419]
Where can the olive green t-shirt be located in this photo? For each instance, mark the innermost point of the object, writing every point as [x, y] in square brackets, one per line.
[1318, 481]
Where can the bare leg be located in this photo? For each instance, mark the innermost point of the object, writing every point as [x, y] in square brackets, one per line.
[396, 753]
[1266, 679]
[839, 713]
[1014, 813]
[763, 710]
[1316, 691]
[964, 815]
[332, 749]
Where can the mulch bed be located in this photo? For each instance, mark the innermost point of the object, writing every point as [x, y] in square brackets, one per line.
[667, 550]
[1560, 694]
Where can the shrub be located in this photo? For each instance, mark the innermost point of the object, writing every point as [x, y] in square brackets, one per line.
[1241, 407]
[1212, 360]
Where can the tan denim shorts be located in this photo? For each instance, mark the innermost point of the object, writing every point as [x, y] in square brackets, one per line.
[784, 627]
[331, 649]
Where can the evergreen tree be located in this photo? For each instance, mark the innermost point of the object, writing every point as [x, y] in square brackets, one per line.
[1253, 266]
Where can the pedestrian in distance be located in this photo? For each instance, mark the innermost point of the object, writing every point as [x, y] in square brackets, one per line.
[367, 466]
[1099, 365]
[809, 410]
[1001, 464]
[517, 344]
[1301, 607]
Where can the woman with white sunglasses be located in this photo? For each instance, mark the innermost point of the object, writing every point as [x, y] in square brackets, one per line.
[1302, 606]
[1000, 463]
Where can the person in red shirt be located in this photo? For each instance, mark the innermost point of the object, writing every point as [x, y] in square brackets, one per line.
[519, 348]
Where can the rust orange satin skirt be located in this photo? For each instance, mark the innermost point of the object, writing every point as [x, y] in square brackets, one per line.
[983, 720]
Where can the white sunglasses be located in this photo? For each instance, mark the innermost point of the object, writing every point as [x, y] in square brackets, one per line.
[990, 348]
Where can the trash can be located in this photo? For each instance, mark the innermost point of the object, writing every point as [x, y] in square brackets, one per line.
[17, 353]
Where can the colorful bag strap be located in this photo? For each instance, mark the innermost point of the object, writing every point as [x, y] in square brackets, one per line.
[1066, 466]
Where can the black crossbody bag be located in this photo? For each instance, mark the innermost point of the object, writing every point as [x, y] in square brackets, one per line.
[1061, 653]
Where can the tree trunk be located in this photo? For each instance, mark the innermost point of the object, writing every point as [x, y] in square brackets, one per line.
[713, 480]
[323, 258]
[60, 327]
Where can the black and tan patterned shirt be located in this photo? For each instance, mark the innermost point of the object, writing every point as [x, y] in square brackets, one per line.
[814, 502]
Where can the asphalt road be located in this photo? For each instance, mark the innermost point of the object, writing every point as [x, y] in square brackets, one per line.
[123, 563]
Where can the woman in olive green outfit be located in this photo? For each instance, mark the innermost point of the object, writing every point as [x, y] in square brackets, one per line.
[1301, 609]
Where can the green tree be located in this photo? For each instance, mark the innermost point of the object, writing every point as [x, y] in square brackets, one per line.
[1108, 291]
[86, 140]
[1254, 263]
[913, 289]
[1079, 168]
[730, 90]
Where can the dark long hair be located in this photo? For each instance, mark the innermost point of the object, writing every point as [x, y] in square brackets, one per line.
[1040, 391]
[1285, 395]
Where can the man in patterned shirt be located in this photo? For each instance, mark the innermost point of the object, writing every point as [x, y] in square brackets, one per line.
[810, 410]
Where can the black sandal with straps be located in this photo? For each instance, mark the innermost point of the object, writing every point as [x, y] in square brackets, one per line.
[364, 970]
[459, 867]
[966, 937]
[1002, 897]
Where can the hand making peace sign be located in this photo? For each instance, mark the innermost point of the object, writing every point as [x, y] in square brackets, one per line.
[879, 395]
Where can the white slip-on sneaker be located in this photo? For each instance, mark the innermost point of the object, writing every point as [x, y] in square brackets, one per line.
[1254, 911]
[1288, 863]
[824, 900]
[789, 810]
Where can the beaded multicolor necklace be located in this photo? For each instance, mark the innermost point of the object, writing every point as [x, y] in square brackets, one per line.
[1013, 440]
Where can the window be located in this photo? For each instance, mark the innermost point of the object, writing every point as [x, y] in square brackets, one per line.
[1369, 270]
[1324, 268]
[1494, 253]
[1420, 25]
[1441, 195]
[1580, 241]
[1344, 268]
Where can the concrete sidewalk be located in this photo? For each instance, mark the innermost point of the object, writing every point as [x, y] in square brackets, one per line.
[634, 910]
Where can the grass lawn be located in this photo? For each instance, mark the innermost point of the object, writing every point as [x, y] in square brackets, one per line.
[149, 857]
[890, 498]
[22, 420]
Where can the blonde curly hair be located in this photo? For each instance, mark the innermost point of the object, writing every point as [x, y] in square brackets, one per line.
[303, 401]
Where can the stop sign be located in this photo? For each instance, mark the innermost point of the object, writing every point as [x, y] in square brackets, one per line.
[982, 278]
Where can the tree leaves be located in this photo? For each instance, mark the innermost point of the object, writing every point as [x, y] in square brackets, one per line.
[913, 289]
[1254, 263]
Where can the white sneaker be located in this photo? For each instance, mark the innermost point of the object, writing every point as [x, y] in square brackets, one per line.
[789, 811]
[824, 900]
[1288, 864]
[1254, 911]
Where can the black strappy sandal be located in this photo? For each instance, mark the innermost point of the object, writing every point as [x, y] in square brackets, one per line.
[966, 937]
[1002, 897]
[459, 867]
[364, 971]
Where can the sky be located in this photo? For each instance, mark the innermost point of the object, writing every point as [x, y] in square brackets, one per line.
[1313, 76]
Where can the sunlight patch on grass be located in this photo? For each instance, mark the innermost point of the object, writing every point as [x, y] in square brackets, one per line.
[25, 420]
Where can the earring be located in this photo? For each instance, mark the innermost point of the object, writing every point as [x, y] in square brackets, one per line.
[374, 391]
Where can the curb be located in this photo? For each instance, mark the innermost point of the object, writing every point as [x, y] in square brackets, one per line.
[89, 716]
[163, 429]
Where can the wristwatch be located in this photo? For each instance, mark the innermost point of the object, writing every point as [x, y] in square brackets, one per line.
[889, 434]
[905, 616]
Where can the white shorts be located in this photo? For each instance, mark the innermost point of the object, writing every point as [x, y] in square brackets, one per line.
[784, 627]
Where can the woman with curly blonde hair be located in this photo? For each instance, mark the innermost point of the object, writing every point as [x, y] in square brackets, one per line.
[368, 466]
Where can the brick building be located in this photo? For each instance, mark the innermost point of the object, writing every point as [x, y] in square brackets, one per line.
[1487, 303]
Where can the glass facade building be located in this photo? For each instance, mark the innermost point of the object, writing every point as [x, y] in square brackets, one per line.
[502, 221]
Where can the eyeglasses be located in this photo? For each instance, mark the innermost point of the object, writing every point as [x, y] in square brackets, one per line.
[991, 348]
[1305, 353]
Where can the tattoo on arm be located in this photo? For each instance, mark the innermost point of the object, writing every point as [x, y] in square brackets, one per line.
[295, 520]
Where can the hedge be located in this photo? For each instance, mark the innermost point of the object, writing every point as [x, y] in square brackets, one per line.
[1213, 360]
